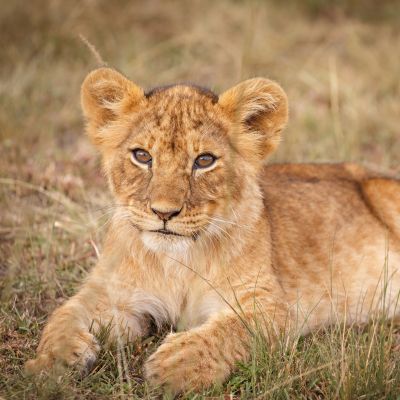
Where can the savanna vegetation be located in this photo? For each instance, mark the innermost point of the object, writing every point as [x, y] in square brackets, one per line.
[339, 63]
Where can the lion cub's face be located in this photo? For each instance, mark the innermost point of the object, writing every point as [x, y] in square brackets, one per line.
[179, 158]
[171, 170]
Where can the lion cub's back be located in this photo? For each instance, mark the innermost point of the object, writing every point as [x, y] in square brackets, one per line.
[309, 205]
[323, 190]
[320, 194]
[327, 232]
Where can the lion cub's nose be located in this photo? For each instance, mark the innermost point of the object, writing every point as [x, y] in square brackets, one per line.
[165, 215]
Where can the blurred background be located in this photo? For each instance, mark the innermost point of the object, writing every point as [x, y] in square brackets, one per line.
[338, 60]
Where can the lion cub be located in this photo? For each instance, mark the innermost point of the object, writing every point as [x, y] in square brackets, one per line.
[209, 240]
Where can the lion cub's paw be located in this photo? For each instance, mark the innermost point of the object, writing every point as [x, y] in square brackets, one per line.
[185, 361]
[78, 350]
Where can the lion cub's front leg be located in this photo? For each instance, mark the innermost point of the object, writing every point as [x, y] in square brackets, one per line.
[68, 338]
[203, 356]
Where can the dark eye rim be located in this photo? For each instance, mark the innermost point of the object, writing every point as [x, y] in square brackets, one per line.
[133, 153]
[197, 166]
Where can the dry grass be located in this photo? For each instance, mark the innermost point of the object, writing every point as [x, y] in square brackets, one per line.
[340, 67]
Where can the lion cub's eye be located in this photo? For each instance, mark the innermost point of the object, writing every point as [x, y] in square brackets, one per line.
[204, 161]
[142, 156]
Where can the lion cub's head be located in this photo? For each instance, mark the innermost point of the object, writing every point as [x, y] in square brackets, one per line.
[182, 161]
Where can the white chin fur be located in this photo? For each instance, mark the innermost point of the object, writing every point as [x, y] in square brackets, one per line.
[159, 243]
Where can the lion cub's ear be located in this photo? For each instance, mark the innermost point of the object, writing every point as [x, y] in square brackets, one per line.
[106, 95]
[259, 109]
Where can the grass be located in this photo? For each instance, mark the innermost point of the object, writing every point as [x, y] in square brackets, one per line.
[340, 68]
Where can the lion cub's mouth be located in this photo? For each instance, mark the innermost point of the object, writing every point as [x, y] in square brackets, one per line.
[167, 232]
[193, 236]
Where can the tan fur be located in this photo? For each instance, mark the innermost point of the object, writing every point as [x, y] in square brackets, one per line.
[285, 247]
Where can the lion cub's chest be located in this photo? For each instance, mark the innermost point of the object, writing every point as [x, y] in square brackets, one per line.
[184, 298]
[198, 307]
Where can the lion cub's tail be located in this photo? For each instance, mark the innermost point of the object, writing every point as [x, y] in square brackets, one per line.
[383, 196]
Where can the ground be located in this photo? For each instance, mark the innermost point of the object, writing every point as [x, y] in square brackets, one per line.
[340, 68]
